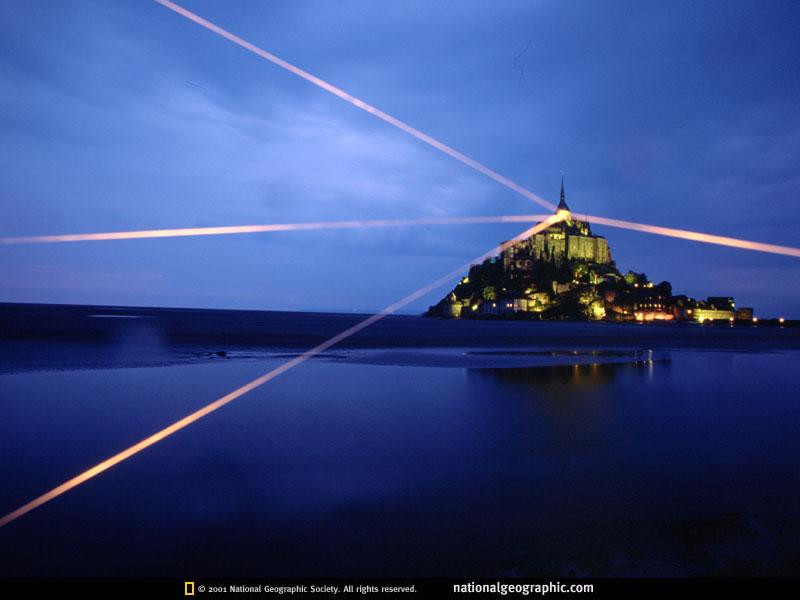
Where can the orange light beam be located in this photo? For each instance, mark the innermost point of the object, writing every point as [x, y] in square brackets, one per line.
[237, 229]
[358, 103]
[259, 381]
[694, 236]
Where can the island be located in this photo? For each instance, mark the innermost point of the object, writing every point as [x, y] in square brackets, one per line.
[567, 272]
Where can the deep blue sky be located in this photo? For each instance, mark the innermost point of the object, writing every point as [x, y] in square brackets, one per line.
[123, 115]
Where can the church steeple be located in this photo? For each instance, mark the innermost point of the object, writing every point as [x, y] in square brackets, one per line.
[562, 205]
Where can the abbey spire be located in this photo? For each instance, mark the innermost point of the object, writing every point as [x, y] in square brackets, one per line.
[562, 205]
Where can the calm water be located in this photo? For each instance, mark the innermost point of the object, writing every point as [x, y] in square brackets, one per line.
[687, 465]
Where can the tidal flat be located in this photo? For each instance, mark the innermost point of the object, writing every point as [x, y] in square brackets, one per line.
[547, 449]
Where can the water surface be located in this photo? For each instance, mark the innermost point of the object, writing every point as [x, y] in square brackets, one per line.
[681, 462]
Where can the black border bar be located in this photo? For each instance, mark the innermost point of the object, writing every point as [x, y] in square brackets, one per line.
[366, 588]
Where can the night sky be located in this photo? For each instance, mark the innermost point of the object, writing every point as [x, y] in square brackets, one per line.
[123, 115]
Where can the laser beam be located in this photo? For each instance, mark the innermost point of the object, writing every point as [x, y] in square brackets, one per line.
[274, 227]
[358, 103]
[694, 236]
[259, 381]
[470, 162]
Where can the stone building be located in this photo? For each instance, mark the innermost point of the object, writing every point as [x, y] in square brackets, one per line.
[567, 240]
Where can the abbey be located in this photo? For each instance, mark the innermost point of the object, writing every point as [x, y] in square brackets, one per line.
[566, 272]
[568, 240]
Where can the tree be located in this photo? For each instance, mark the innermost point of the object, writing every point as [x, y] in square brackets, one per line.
[664, 289]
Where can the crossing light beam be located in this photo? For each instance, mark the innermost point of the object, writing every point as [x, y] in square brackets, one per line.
[266, 228]
[164, 433]
[358, 103]
[694, 236]
[684, 234]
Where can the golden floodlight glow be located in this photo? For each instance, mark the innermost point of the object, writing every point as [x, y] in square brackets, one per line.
[259, 381]
[239, 229]
[328, 87]
[694, 236]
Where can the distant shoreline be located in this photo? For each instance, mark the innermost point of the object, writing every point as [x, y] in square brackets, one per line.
[72, 336]
[288, 329]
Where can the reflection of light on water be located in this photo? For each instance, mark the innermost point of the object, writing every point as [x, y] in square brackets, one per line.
[588, 374]
[114, 316]
[604, 367]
